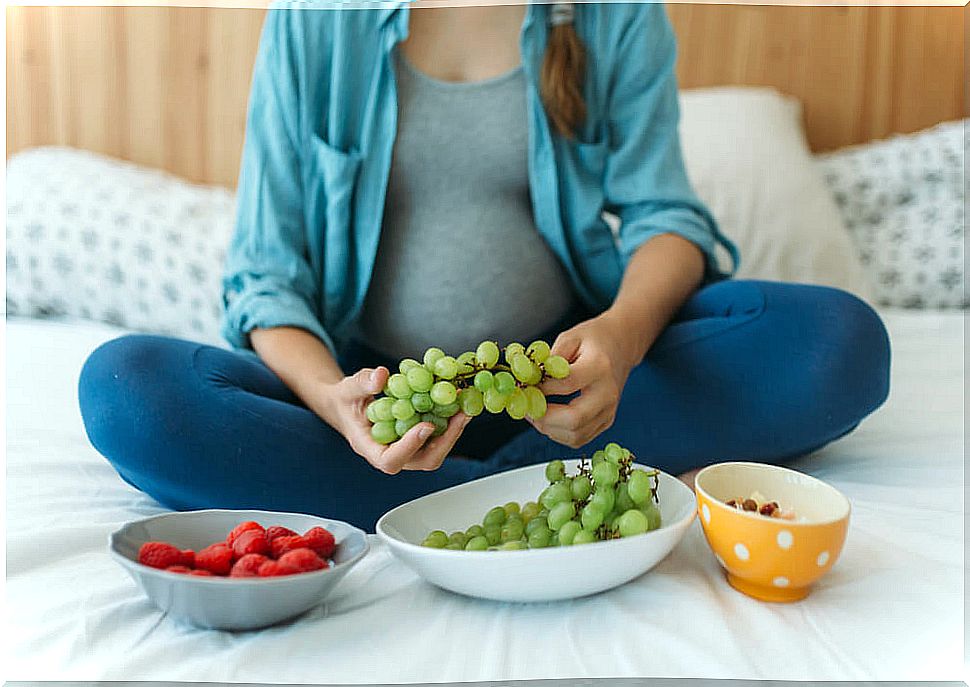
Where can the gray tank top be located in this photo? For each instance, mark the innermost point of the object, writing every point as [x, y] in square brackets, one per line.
[460, 259]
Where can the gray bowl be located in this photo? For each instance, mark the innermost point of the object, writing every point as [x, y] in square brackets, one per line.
[242, 603]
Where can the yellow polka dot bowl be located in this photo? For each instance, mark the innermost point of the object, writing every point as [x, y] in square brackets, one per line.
[771, 559]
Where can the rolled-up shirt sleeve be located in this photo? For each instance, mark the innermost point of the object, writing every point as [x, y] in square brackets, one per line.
[645, 180]
[267, 281]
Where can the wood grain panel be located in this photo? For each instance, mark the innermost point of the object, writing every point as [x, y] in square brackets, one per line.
[168, 86]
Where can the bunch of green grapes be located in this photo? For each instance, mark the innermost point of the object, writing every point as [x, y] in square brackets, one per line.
[607, 498]
[487, 379]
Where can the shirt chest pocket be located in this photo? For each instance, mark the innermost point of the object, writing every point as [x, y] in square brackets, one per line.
[330, 179]
[582, 195]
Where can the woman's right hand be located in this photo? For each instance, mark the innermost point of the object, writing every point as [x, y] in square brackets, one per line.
[343, 406]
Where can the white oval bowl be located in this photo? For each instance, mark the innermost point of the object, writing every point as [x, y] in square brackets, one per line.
[534, 574]
[237, 603]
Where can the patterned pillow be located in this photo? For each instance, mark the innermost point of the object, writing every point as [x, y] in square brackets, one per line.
[98, 238]
[902, 200]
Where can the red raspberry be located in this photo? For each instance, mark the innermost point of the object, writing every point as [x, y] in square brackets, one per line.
[321, 541]
[278, 531]
[158, 554]
[178, 569]
[281, 545]
[243, 527]
[248, 565]
[304, 560]
[200, 573]
[216, 558]
[188, 558]
[250, 541]
[275, 569]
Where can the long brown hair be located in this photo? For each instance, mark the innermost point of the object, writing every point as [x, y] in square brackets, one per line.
[561, 79]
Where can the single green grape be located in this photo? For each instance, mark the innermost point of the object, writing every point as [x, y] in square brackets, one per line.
[581, 487]
[623, 500]
[512, 529]
[529, 511]
[496, 516]
[534, 524]
[632, 523]
[518, 404]
[472, 401]
[493, 534]
[474, 531]
[504, 382]
[447, 410]
[431, 356]
[397, 385]
[436, 539]
[605, 474]
[521, 367]
[487, 354]
[402, 426]
[494, 400]
[458, 538]
[604, 498]
[515, 545]
[555, 471]
[592, 516]
[512, 350]
[420, 379]
[568, 531]
[614, 453]
[638, 486]
[440, 423]
[560, 514]
[554, 495]
[538, 351]
[584, 536]
[557, 367]
[537, 402]
[598, 457]
[422, 402]
[536, 377]
[446, 367]
[381, 410]
[407, 364]
[444, 393]
[384, 432]
[539, 537]
[479, 543]
[466, 362]
[402, 409]
[653, 515]
[484, 380]
[512, 508]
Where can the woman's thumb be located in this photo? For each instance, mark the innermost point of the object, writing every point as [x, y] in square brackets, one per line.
[371, 381]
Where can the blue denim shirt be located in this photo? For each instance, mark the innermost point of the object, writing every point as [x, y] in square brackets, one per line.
[320, 131]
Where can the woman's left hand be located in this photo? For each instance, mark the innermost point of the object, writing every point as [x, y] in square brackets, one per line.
[601, 353]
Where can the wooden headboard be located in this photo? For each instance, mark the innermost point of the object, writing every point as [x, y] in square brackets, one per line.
[167, 87]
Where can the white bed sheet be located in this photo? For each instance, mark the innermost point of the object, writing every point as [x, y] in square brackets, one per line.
[891, 609]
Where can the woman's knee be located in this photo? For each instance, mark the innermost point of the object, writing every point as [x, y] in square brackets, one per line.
[115, 382]
[853, 346]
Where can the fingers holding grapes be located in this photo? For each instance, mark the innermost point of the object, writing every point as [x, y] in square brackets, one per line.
[440, 388]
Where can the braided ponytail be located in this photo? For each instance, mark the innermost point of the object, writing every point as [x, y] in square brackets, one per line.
[562, 73]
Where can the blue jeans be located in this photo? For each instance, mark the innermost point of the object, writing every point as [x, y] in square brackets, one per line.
[755, 371]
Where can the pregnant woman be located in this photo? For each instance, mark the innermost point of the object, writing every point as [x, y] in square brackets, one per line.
[418, 177]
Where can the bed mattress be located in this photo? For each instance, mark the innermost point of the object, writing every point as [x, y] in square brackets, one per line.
[891, 609]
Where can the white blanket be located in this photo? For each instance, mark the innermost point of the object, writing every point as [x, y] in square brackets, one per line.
[891, 609]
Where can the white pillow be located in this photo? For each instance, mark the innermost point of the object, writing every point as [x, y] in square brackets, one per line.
[747, 157]
[94, 237]
[903, 203]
